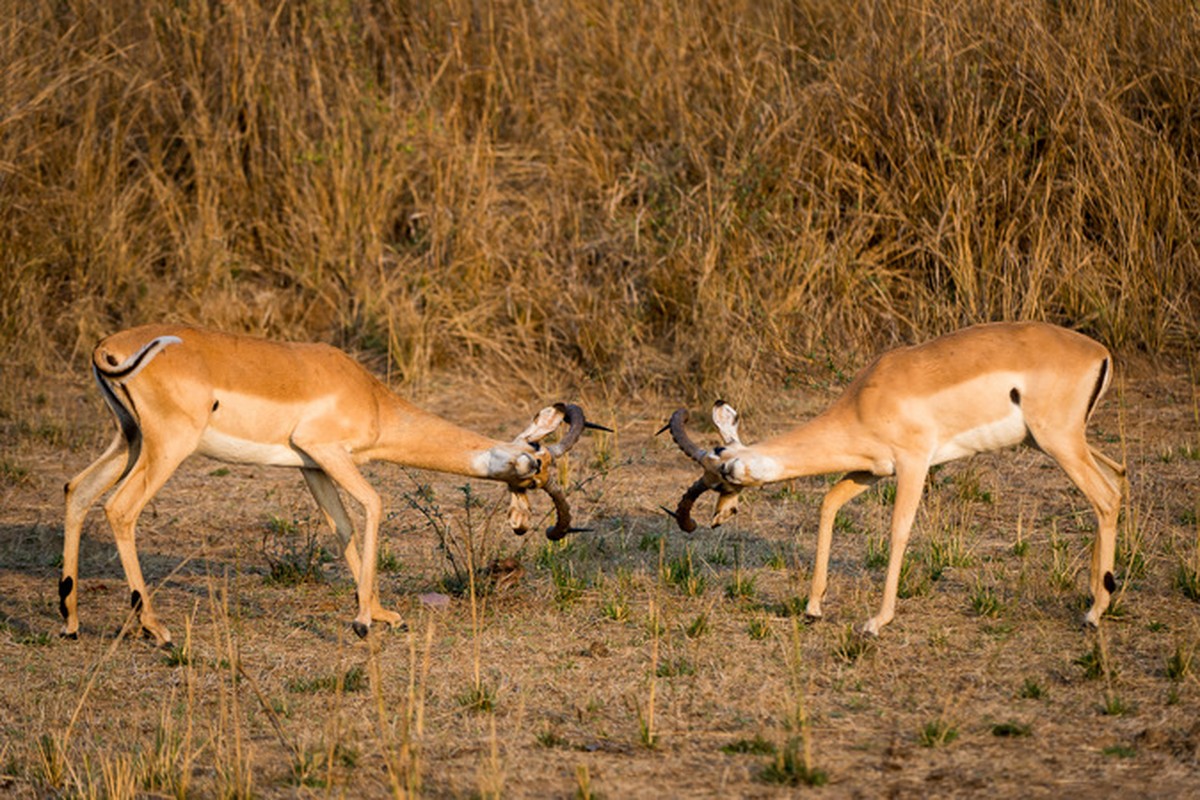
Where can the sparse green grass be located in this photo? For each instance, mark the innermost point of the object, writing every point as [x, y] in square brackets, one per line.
[697, 627]
[1187, 581]
[937, 733]
[788, 768]
[1032, 690]
[757, 746]
[616, 609]
[877, 552]
[12, 473]
[986, 602]
[852, 646]
[758, 629]
[1181, 662]
[293, 553]
[1012, 729]
[1116, 706]
[741, 586]
[1092, 662]
[684, 573]
[352, 680]
[478, 699]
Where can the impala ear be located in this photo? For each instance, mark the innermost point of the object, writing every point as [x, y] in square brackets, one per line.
[725, 417]
[727, 506]
[544, 423]
[519, 512]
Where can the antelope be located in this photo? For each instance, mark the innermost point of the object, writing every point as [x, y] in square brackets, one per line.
[978, 389]
[176, 390]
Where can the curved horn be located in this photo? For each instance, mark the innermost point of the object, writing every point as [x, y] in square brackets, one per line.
[680, 435]
[576, 422]
[562, 513]
[683, 512]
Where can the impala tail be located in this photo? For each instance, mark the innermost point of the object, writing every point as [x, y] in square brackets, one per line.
[111, 375]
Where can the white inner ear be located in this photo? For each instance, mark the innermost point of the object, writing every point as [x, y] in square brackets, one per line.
[725, 417]
[546, 421]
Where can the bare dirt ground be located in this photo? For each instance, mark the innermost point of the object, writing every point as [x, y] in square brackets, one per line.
[631, 661]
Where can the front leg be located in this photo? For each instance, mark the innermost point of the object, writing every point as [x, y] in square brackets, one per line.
[842, 492]
[910, 482]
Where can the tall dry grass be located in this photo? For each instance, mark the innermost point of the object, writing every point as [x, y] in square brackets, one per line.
[663, 195]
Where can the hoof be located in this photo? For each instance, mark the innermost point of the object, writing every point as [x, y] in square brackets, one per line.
[73, 635]
[359, 629]
[810, 618]
[869, 630]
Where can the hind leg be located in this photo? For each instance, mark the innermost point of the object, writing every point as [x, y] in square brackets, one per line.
[1070, 449]
[160, 457]
[325, 493]
[82, 492]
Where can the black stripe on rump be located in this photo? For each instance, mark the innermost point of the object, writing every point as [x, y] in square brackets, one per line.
[1098, 387]
[125, 420]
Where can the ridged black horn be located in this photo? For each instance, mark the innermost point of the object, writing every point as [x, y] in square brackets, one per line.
[680, 435]
[683, 512]
[576, 422]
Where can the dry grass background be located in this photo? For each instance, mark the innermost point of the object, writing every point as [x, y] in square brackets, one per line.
[639, 204]
[641, 194]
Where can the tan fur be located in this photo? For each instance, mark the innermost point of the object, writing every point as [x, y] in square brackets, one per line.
[249, 400]
[944, 399]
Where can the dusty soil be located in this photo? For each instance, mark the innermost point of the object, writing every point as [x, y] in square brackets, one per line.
[556, 681]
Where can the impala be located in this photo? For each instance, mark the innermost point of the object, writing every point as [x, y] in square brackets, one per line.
[176, 390]
[978, 389]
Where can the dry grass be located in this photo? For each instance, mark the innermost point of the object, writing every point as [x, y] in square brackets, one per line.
[624, 662]
[638, 204]
[696, 197]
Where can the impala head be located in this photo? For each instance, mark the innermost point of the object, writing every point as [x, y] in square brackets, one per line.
[525, 464]
[726, 471]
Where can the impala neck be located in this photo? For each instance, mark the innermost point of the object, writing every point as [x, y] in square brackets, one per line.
[831, 442]
[416, 438]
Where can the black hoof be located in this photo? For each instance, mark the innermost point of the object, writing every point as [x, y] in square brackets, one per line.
[72, 636]
[359, 629]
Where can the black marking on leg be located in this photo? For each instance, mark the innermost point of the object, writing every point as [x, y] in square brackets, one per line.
[1015, 396]
[135, 601]
[718, 451]
[216, 404]
[1110, 583]
[67, 487]
[64, 591]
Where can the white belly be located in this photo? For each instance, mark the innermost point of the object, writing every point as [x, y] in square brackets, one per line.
[223, 447]
[1003, 432]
